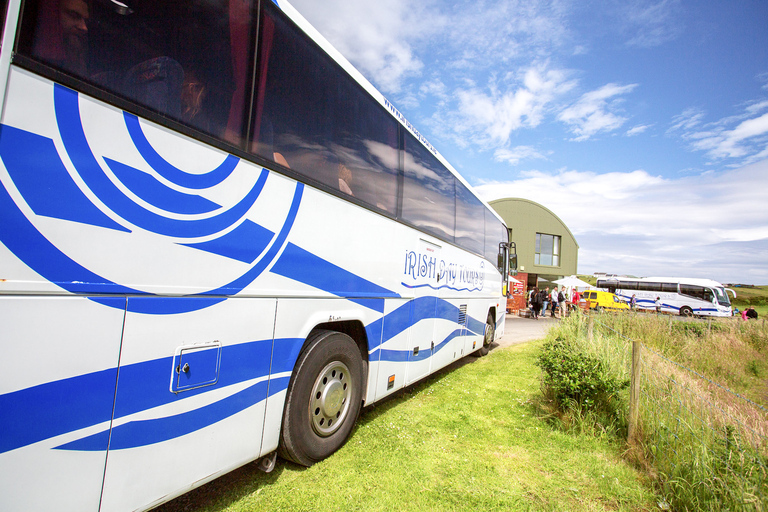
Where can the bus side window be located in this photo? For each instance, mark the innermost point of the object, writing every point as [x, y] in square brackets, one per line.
[311, 117]
[194, 72]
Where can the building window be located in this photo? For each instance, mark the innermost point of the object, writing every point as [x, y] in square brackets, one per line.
[547, 250]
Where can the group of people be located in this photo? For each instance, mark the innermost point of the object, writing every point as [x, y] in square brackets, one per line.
[556, 301]
[749, 313]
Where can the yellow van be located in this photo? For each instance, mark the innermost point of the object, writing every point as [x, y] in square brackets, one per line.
[599, 300]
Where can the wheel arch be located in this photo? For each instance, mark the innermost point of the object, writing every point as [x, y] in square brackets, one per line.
[352, 328]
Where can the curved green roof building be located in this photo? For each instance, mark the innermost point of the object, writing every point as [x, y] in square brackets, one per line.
[546, 248]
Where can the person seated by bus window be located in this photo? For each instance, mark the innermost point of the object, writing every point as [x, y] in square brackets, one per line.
[345, 178]
[263, 143]
[61, 35]
[193, 93]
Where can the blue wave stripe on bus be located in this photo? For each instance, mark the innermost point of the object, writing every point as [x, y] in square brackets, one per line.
[285, 353]
[421, 308]
[436, 288]
[67, 110]
[55, 408]
[157, 194]
[59, 197]
[48, 410]
[244, 243]
[402, 356]
[170, 172]
[301, 265]
[145, 432]
[241, 282]
[144, 385]
[31, 247]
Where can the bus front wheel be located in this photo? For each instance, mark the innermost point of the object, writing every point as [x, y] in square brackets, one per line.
[686, 311]
[489, 336]
[323, 399]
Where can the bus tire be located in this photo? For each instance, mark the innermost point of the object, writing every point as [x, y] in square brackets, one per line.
[488, 336]
[323, 400]
[686, 311]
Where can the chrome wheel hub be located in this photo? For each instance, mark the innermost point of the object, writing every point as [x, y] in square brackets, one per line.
[329, 403]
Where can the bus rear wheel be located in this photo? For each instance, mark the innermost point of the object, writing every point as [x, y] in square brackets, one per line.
[686, 311]
[323, 400]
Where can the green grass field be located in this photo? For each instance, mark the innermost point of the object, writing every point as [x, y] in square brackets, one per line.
[469, 438]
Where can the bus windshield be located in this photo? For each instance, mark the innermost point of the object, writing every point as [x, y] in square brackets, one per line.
[722, 297]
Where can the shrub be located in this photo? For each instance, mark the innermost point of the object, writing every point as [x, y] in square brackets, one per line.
[575, 379]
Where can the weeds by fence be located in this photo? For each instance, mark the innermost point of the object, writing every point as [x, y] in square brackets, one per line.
[707, 444]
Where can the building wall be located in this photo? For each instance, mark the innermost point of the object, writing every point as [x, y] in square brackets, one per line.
[525, 218]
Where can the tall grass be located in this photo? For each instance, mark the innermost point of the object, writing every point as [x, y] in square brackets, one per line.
[704, 444]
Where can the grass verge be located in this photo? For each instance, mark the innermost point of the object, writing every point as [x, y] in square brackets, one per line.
[469, 438]
[706, 447]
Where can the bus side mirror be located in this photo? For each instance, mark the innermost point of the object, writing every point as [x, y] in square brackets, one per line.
[512, 258]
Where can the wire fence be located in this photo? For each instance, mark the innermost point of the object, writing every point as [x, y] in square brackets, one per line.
[707, 444]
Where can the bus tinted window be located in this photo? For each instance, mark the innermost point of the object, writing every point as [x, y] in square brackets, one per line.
[312, 117]
[428, 192]
[189, 71]
[3, 12]
[692, 290]
[495, 233]
[470, 221]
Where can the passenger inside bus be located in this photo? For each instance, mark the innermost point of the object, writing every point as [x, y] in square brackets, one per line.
[61, 35]
[345, 178]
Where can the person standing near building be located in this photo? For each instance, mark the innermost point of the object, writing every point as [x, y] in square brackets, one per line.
[554, 296]
[545, 301]
[562, 301]
[535, 303]
[575, 298]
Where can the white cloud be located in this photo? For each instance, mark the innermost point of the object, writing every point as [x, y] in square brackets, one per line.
[595, 111]
[514, 155]
[488, 117]
[743, 136]
[637, 223]
[377, 37]
[652, 23]
[637, 130]
[688, 120]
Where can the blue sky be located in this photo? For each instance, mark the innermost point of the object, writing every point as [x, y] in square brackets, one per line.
[642, 124]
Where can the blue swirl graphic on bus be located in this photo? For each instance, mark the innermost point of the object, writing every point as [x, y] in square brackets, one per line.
[169, 171]
[32, 160]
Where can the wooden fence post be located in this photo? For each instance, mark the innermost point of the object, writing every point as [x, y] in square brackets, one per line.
[634, 393]
[591, 328]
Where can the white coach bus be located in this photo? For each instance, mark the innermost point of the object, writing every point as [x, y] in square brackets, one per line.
[678, 295]
[217, 243]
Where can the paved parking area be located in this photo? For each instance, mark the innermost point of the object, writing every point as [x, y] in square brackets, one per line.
[519, 329]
